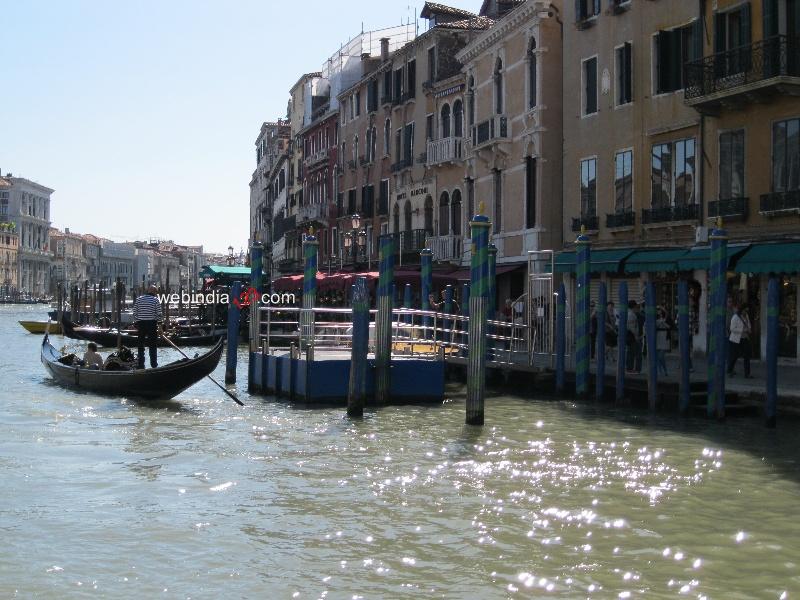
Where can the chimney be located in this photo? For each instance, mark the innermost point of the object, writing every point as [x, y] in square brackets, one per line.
[384, 49]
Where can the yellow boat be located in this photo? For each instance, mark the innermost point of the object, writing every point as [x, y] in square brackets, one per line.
[41, 327]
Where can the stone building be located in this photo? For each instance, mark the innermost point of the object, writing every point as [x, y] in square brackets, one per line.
[9, 247]
[27, 204]
[70, 266]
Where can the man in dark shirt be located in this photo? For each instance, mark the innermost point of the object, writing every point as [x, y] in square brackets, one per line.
[147, 315]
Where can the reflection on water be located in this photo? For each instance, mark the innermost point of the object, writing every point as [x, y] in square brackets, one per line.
[201, 498]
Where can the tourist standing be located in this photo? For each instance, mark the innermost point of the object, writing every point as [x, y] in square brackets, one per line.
[633, 339]
[739, 341]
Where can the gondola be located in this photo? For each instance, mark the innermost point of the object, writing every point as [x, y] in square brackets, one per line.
[162, 382]
[108, 337]
[41, 327]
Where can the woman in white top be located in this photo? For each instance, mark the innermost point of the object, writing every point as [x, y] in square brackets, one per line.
[739, 339]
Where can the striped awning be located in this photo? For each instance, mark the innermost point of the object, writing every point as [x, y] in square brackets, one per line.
[770, 258]
[699, 257]
[608, 260]
[648, 261]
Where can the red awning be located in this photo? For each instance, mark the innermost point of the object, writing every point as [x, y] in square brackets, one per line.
[325, 283]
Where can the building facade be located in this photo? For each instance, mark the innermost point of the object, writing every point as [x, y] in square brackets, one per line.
[9, 247]
[69, 263]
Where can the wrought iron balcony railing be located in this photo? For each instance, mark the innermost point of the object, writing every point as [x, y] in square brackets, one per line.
[621, 219]
[411, 241]
[446, 247]
[444, 150]
[490, 130]
[402, 164]
[778, 202]
[726, 71]
[591, 222]
[728, 208]
[670, 214]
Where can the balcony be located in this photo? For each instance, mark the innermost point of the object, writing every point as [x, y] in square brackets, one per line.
[290, 265]
[777, 203]
[745, 74]
[621, 219]
[447, 247]
[670, 214]
[446, 150]
[409, 242]
[386, 100]
[422, 158]
[351, 164]
[591, 222]
[312, 212]
[730, 208]
[315, 159]
[402, 164]
[364, 161]
[490, 131]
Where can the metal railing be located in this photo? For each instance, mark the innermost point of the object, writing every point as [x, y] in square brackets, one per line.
[445, 150]
[724, 71]
[591, 222]
[446, 247]
[728, 207]
[776, 202]
[494, 128]
[621, 219]
[668, 214]
[402, 164]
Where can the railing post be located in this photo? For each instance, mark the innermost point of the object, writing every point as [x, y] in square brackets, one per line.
[600, 351]
[447, 324]
[582, 316]
[684, 345]
[772, 352]
[357, 389]
[719, 293]
[465, 313]
[383, 324]
[622, 340]
[426, 281]
[561, 336]
[256, 284]
[310, 250]
[233, 332]
[407, 302]
[479, 277]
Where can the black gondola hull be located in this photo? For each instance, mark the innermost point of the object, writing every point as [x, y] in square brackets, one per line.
[162, 382]
[108, 339]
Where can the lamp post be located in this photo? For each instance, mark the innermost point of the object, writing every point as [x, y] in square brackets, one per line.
[231, 258]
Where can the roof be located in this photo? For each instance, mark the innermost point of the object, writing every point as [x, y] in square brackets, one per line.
[770, 258]
[471, 23]
[432, 7]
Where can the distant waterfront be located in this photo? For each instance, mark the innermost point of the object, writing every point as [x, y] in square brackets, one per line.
[198, 498]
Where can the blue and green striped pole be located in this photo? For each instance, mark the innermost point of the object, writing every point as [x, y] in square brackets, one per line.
[650, 333]
[491, 310]
[256, 283]
[622, 337]
[582, 316]
[719, 264]
[465, 313]
[357, 390]
[479, 299]
[600, 351]
[383, 324]
[772, 351]
[684, 345]
[310, 250]
[561, 336]
[426, 283]
[234, 314]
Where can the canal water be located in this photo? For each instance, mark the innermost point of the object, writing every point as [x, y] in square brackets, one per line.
[103, 497]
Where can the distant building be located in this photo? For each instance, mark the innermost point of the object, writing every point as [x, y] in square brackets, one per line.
[70, 265]
[116, 261]
[26, 204]
[9, 246]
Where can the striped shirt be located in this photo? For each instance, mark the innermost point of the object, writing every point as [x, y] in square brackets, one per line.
[147, 308]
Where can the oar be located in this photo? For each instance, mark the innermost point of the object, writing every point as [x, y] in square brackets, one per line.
[214, 381]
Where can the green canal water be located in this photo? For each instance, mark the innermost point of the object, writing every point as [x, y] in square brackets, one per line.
[102, 497]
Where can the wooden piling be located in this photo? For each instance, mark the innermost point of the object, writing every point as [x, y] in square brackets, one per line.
[719, 295]
[561, 337]
[357, 390]
[582, 313]
[479, 300]
[600, 350]
[383, 320]
[684, 346]
[772, 352]
[650, 339]
[233, 332]
[622, 340]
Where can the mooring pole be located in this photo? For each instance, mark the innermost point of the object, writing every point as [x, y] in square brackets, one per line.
[479, 300]
[256, 284]
[383, 323]
[772, 352]
[491, 309]
[561, 336]
[426, 283]
[447, 324]
[310, 250]
[233, 332]
[622, 340]
[719, 263]
[600, 351]
[357, 390]
[650, 332]
[583, 312]
[407, 301]
[684, 345]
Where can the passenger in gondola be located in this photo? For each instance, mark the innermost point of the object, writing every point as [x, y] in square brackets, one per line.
[148, 315]
[92, 359]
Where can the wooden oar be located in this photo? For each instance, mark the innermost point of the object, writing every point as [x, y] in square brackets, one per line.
[214, 381]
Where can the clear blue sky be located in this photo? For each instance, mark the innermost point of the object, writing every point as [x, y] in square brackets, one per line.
[143, 115]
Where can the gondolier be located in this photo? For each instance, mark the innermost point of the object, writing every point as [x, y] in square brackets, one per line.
[147, 315]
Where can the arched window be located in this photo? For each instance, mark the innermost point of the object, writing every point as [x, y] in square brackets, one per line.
[396, 218]
[387, 136]
[458, 119]
[455, 211]
[532, 73]
[446, 121]
[498, 86]
[471, 102]
[429, 215]
[407, 215]
[444, 214]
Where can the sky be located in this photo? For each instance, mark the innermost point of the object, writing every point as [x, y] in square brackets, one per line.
[142, 116]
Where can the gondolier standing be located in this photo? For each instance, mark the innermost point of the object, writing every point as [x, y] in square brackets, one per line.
[147, 315]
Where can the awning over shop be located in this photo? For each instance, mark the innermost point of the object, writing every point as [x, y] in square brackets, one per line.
[699, 257]
[465, 275]
[770, 258]
[225, 275]
[325, 282]
[608, 260]
[648, 261]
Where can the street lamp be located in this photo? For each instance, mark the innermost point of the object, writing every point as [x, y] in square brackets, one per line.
[231, 258]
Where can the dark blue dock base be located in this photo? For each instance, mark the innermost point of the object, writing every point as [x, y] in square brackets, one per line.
[325, 381]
